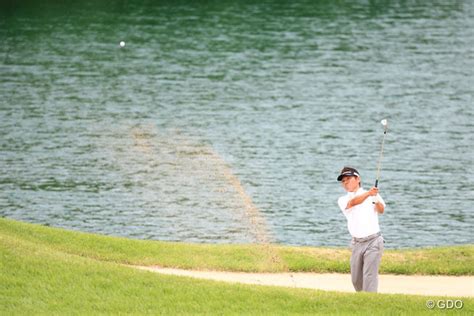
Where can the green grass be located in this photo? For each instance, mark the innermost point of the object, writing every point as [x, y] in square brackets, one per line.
[52, 271]
[455, 260]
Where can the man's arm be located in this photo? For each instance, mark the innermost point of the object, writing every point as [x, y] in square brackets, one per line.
[379, 207]
[359, 199]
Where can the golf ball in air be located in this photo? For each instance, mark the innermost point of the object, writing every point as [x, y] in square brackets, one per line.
[384, 122]
[122, 44]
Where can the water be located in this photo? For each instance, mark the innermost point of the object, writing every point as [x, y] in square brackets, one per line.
[228, 121]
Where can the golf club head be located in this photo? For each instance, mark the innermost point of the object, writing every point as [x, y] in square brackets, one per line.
[385, 125]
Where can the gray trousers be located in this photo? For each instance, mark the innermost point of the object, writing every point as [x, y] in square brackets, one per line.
[365, 262]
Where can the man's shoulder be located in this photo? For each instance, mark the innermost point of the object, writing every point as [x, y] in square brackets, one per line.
[358, 192]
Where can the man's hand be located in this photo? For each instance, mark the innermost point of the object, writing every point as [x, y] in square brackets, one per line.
[373, 191]
[379, 207]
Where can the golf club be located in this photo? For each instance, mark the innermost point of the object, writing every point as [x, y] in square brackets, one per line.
[385, 125]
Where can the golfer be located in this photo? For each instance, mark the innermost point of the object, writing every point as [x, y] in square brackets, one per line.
[361, 209]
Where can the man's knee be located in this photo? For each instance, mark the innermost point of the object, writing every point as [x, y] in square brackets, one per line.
[357, 275]
[371, 283]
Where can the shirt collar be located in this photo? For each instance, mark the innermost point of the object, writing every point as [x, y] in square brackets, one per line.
[360, 190]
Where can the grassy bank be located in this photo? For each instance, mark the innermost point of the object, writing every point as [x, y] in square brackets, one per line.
[456, 260]
[52, 271]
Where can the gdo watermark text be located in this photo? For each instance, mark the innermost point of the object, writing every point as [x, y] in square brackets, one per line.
[445, 304]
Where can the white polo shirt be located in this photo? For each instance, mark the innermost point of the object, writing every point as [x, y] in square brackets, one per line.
[362, 219]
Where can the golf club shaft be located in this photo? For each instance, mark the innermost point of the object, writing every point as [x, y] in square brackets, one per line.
[380, 157]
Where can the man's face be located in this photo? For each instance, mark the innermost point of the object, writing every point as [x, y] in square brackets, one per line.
[350, 183]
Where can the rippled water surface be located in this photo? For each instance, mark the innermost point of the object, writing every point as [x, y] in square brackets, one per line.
[228, 121]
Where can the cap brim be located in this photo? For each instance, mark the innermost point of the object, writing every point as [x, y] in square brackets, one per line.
[347, 174]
